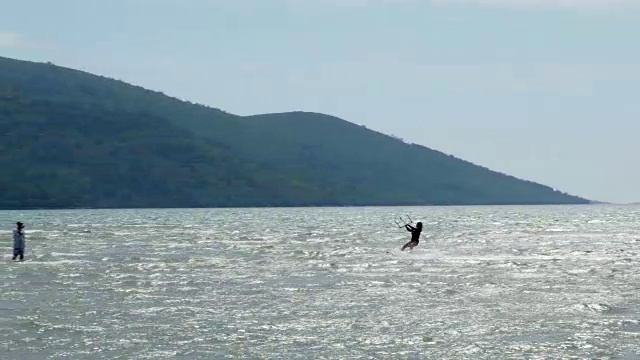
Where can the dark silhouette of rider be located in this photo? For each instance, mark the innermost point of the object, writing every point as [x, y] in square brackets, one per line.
[415, 236]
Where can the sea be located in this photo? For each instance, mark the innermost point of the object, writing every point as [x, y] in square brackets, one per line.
[485, 282]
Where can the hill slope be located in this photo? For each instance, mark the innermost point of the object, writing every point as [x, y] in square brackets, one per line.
[72, 139]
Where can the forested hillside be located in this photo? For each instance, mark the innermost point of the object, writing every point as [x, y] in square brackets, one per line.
[73, 139]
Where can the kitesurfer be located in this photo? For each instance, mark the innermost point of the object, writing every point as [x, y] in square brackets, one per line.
[415, 236]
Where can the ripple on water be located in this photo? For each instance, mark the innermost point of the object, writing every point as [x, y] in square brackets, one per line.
[486, 283]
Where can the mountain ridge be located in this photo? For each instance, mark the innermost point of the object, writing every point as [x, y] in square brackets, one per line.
[167, 152]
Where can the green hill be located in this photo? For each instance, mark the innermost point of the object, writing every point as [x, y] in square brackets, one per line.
[73, 139]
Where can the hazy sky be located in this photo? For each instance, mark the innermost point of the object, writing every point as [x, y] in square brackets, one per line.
[546, 90]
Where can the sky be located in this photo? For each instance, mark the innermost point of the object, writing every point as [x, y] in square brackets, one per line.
[544, 90]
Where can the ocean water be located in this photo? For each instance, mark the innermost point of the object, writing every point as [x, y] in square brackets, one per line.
[546, 282]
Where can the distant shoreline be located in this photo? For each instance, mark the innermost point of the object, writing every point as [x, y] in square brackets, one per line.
[305, 207]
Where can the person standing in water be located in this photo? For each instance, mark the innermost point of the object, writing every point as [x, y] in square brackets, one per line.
[18, 241]
[415, 236]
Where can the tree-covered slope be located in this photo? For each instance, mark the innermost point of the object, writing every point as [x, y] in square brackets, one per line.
[73, 139]
[357, 162]
[62, 156]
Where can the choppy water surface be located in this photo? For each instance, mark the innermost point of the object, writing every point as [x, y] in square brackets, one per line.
[485, 283]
